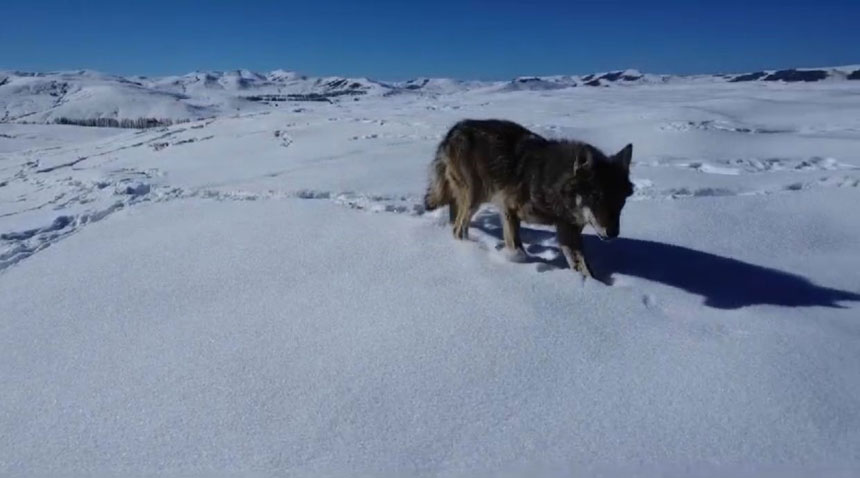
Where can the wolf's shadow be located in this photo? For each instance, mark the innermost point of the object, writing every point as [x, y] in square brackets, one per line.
[725, 283]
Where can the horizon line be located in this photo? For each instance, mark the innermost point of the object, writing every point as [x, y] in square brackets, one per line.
[310, 75]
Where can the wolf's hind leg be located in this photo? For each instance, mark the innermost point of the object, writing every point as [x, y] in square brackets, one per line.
[466, 207]
[460, 203]
[465, 210]
[570, 241]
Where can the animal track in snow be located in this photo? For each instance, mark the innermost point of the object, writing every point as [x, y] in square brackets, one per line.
[645, 189]
[284, 138]
[16, 246]
[156, 143]
[161, 145]
[365, 202]
[23, 244]
[395, 136]
[131, 187]
[832, 181]
[711, 125]
[755, 165]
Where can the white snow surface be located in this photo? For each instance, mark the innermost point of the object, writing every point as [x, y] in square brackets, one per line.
[263, 293]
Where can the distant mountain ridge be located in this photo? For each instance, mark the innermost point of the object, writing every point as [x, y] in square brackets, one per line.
[85, 95]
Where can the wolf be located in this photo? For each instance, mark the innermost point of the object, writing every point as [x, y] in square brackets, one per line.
[565, 183]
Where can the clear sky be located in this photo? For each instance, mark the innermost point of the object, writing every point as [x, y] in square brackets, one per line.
[403, 39]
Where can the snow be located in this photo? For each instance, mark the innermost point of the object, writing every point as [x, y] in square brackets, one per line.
[262, 292]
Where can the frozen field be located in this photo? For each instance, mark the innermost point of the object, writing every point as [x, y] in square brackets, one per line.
[262, 292]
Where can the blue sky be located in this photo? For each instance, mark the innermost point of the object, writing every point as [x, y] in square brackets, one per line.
[404, 39]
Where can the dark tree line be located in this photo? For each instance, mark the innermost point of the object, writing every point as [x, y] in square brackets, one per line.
[138, 123]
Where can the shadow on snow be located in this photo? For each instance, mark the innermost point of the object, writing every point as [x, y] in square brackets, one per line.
[725, 283]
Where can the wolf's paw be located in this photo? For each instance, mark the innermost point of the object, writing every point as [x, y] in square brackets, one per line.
[517, 255]
[608, 280]
[587, 275]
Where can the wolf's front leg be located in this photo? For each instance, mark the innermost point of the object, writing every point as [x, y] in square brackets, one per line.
[511, 230]
[513, 244]
[570, 241]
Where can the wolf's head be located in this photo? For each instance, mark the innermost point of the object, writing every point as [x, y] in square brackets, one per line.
[601, 186]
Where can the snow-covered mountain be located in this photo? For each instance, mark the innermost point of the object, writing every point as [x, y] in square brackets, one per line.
[88, 95]
[81, 95]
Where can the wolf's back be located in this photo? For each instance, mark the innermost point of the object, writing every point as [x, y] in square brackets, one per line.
[477, 152]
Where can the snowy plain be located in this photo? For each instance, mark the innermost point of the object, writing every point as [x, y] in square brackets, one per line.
[261, 291]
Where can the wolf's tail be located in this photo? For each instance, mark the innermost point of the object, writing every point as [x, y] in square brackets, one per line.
[438, 192]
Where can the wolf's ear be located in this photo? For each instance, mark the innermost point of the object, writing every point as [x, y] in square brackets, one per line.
[584, 161]
[625, 156]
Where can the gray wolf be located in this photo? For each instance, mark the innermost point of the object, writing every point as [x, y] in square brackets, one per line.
[564, 183]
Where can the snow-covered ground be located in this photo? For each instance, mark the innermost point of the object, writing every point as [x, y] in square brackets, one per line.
[262, 292]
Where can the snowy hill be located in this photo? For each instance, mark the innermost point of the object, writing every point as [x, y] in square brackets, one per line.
[44, 98]
[262, 292]
[41, 98]
[87, 95]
